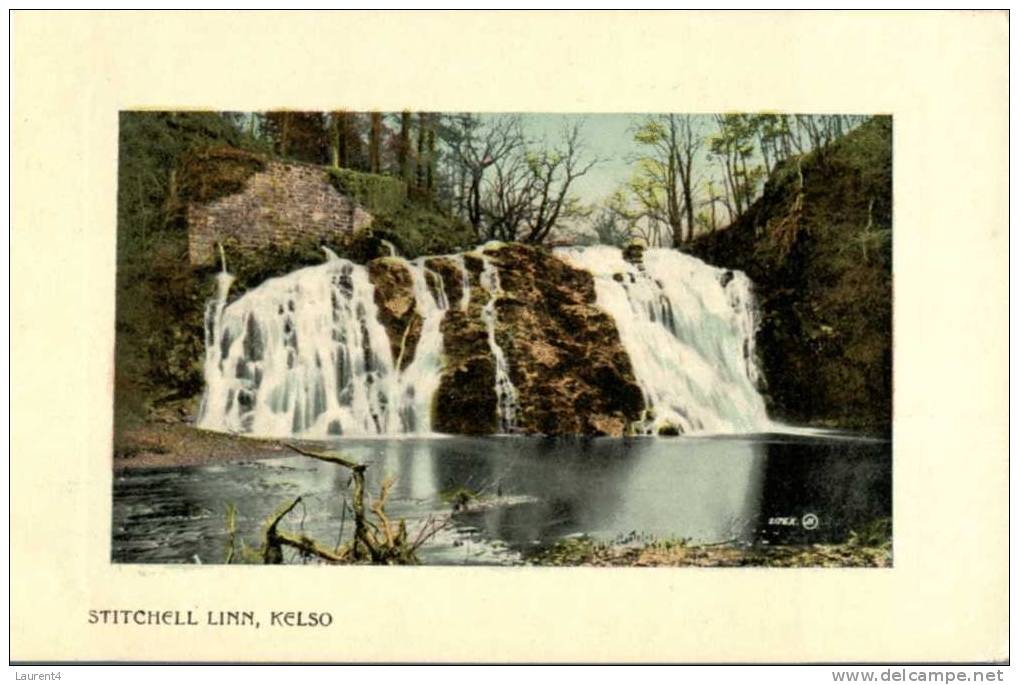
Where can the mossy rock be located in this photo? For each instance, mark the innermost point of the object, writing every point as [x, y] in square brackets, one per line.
[208, 174]
[423, 229]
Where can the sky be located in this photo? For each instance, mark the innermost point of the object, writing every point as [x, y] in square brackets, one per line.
[609, 137]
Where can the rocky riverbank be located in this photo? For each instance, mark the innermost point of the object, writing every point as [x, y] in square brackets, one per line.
[160, 444]
[585, 552]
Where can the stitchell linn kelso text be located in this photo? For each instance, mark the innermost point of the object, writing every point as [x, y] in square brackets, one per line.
[194, 617]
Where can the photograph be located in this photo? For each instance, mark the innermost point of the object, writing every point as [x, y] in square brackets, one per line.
[465, 338]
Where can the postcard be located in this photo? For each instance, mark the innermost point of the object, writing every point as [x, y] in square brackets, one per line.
[372, 336]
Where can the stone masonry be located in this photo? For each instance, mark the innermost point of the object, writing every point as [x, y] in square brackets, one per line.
[285, 204]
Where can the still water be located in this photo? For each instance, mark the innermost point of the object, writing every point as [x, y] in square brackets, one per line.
[760, 489]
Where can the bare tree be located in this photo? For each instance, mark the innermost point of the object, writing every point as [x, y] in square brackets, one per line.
[553, 172]
[688, 145]
[657, 183]
[509, 193]
[477, 146]
[665, 181]
[528, 193]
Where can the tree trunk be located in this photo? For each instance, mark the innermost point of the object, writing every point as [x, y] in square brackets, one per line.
[731, 183]
[746, 190]
[688, 199]
[422, 163]
[461, 192]
[430, 151]
[334, 140]
[474, 204]
[375, 143]
[404, 150]
[675, 216]
[342, 151]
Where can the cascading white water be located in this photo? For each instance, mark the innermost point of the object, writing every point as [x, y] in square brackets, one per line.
[305, 355]
[465, 282]
[688, 329]
[214, 323]
[507, 400]
[420, 379]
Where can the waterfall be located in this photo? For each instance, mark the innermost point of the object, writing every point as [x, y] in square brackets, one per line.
[305, 354]
[505, 391]
[213, 321]
[419, 381]
[465, 282]
[688, 329]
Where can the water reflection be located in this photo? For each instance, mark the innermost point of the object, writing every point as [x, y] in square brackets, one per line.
[535, 491]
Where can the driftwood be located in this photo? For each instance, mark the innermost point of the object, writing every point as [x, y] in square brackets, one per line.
[381, 542]
[275, 539]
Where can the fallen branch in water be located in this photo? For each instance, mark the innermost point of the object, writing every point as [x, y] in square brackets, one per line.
[381, 543]
[327, 456]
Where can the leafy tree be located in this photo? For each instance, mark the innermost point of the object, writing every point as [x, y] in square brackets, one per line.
[734, 145]
[375, 143]
[302, 136]
[403, 151]
[664, 182]
[159, 335]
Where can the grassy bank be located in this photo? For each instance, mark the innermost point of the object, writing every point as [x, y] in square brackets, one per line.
[856, 552]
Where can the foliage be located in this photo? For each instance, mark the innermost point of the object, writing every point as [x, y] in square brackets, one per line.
[876, 533]
[817, 245]
[208, 173]
[376, 193]
[151, 147]
[250, 268]
[663, 179]
[298, 135]
[529, 195]
[693, 177]
[418, 230]
[734, 145]
[159, 304]
[611, 228]
[415, 225]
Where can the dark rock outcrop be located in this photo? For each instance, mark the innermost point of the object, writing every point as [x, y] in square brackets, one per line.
[466, 400]
[566, 361]
[394, 296]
